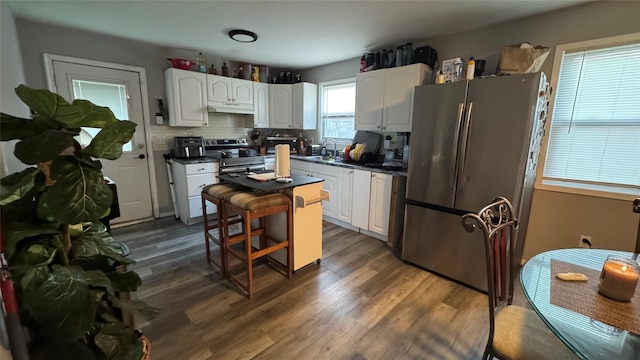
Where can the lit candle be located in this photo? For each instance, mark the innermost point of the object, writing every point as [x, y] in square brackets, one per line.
[619, 278]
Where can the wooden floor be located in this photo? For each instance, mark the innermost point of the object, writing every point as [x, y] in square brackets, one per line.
[361, 302]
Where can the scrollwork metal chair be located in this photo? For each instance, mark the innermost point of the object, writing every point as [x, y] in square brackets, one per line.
[514, 332]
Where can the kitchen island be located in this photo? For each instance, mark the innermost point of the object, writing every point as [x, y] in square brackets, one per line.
[306, 195]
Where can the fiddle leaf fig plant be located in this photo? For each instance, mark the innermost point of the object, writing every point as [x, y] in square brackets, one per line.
[63, 262]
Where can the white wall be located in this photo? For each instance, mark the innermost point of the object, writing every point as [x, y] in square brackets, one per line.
[557, 219]
[12, 75]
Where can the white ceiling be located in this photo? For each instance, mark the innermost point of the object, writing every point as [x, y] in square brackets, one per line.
[296, 34]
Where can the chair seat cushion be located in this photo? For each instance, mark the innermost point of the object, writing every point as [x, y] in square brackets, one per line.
[219, 190]
[521, 334]
[253, 201]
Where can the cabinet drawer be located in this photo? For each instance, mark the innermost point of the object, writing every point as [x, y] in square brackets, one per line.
[195, 207]
[195, 183]
[301, 165]
[325, 170]
[202, 168]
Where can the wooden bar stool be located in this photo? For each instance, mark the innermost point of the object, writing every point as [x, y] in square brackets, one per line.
[250, 206]
[214, 193]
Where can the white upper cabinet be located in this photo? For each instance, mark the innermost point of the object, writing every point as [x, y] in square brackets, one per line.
[293, 106]
[384, 98]
[186, 93]
[305, 106]
[369, 100]
[280, 106]
[261, 105]
[230, 95]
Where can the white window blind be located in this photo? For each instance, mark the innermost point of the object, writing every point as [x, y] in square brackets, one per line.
[338, 111]
[595, 129]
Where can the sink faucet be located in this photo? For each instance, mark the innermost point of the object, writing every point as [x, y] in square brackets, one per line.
[335, 148]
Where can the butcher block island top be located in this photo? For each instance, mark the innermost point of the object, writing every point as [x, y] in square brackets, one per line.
[306, 196]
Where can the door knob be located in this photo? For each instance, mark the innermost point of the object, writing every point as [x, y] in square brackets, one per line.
[141, 156]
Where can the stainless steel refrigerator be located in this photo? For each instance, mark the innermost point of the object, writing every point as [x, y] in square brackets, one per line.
[471, 141]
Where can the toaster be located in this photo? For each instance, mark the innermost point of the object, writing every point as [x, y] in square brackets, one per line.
[313, 150]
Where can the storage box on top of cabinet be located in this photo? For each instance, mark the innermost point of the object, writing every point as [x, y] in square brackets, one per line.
[186, 93]
[384, 98]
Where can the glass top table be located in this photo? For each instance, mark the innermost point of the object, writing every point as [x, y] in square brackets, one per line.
[586, 337]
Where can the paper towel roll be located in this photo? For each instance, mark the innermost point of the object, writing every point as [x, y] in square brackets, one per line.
[283, 164]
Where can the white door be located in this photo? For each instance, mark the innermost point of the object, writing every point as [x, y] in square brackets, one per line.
[120, 91]
[280, 109]
[242, 91]
[219, 88]
[380, 203]
[369, 100]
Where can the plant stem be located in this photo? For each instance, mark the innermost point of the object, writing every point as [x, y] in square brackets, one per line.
[65, 246]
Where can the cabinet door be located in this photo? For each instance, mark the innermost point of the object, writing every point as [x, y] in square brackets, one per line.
[298, 172]
[261, 105]
[305, 106]
[219, 88]
[242, 91]
[187, 97]
[344, 201]
[195, 183]
[360, 198]
[280, 110]
[330, 184]
[398, 95]
[380, 203]
[369, 100]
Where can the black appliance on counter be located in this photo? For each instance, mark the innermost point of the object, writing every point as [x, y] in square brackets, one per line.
[272, 141]
[188, 147]
[234, 155]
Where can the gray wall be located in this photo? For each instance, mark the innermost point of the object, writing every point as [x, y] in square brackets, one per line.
[557, 219]
[35, 39]
[12, 75]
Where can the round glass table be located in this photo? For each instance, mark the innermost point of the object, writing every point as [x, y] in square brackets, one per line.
[586, 337]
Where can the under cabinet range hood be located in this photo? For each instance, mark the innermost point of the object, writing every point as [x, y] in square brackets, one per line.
[230, 107]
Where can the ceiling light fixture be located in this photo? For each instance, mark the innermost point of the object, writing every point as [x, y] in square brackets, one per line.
[244, 36]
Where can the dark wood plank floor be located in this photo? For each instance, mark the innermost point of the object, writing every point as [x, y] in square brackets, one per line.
[362, 302]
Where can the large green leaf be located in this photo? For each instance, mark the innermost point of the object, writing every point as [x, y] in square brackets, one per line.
[79, 194]
[44, 146]
[108, 143]
[97, 241]
[97, 278]
[30, 265]
[46, 103]
[12, 127]
[118, 342]
[63, 304]
[92, 115]
[16, 231]
[124, 282]
[15, 186]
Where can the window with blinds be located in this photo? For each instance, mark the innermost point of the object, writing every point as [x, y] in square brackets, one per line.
[594, 142]
[338, 107]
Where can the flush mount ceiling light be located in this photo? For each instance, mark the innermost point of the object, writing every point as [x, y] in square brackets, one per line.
[244, 36]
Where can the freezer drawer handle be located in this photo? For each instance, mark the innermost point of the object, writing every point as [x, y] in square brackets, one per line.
[465, 145]
[302, 202]
[456, 143]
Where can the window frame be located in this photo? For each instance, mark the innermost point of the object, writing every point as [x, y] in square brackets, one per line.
[579, 188]
[340, 143]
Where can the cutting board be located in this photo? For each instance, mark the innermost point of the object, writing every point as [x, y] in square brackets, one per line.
[372, 140]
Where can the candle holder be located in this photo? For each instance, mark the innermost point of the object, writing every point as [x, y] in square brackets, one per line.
[619, 277]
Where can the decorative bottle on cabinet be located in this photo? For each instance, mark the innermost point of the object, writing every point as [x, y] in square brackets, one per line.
[201, 63]
[471, 68]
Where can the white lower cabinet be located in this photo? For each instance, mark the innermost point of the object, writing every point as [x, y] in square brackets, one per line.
[358, 197]
[188, 182]
[380, 203]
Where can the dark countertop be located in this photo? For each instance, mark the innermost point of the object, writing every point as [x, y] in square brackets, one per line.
[270, 185]
[198, 160]
[348, 165]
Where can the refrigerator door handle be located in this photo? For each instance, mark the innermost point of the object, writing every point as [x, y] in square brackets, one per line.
[456, 143]
[465, 144]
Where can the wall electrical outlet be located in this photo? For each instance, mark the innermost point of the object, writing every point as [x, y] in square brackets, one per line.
[585, 242]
